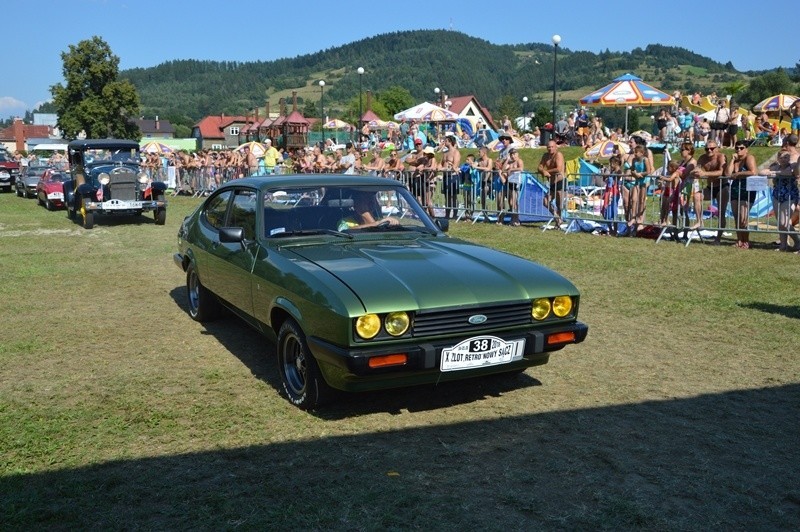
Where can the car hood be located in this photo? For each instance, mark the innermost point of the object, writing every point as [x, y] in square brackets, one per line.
[433, 273]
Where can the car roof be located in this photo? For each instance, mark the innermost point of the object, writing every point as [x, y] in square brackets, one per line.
[103, 144]
[311, 180]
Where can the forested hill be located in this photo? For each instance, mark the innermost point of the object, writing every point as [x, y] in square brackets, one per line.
[418, 61]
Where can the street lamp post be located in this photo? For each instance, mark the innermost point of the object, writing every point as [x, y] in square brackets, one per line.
[439, 96]
[525, 113]
[556, 41]
[322, 110]
[360, 112]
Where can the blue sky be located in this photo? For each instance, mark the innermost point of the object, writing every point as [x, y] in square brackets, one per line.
[147, 32]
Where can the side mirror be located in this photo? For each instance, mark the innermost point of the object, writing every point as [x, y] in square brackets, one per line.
[443, 224]
[231, 235]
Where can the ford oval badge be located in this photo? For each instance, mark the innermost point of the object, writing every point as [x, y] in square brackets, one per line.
[477, 319]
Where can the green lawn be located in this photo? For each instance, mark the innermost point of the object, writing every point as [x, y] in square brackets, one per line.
[117, 411]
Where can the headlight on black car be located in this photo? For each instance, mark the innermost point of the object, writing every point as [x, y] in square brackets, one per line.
[104, 178]
[142, 178]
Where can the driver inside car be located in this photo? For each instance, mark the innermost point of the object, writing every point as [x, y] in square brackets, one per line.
[365, 209]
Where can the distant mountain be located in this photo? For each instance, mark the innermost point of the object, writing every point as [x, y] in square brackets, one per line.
[186, 90]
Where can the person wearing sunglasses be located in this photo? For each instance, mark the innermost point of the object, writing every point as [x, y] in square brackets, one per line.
[710, 167]
[739, 169]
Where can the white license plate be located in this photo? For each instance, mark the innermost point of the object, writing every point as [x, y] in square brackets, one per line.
[481, 351]
[114, 205]
[55, 196]
[4, 175]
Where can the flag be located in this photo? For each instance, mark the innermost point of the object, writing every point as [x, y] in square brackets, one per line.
[100, 193]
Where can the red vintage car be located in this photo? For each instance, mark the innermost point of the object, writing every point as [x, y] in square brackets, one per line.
[50, 189]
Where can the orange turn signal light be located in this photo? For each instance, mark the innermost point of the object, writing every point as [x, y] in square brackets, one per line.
[388, 360]
[561, 338]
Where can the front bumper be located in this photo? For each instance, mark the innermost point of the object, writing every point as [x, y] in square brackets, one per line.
[348, 369]
[115, 206]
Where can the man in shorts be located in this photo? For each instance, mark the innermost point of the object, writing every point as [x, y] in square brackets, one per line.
[710, 167]
[552, 167]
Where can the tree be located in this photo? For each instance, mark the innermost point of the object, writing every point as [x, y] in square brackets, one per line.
[509, 106]
[94, 100]
[764, 86]
[395, 99]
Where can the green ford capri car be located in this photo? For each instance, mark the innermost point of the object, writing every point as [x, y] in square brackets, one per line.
[362, 290]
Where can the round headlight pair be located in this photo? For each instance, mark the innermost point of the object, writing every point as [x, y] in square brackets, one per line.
[142, 178]
[561, 306]
[395, 323]
[104, 178]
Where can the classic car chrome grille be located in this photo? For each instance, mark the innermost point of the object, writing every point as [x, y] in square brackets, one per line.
[457, 320]
[122, 185]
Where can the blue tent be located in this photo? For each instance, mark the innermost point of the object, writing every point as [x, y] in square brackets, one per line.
[531, 200]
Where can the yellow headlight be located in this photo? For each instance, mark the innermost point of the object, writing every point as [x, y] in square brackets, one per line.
[562, 305]
[396, 323]
[368, 326]
[540, 309]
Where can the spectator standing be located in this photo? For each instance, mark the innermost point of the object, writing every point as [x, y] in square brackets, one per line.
[271, 157]
[710, 167]
[394, 166]
[641, 170]
[451, 164]
[720, 124]
[512, 169]
[785, 194]
[740, 168]
[734, 119]
[552, 167]
[347, 163]
[483, 165]
[796, 117]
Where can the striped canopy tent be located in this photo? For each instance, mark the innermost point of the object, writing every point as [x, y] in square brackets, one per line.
[335, 123]
[627, 91]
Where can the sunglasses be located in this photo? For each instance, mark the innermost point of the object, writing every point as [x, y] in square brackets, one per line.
[711, 148]
[739, 148]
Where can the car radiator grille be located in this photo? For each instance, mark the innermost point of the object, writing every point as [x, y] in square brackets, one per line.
[122, 186]
[457, 320]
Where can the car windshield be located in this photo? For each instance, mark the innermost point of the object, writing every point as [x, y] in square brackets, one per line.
[113, 155]
[57, 176]
[343, 211]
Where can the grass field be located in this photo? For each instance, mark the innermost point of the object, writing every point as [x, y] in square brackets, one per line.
[680, 411]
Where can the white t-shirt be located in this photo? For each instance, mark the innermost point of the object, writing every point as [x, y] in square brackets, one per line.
[349, 161]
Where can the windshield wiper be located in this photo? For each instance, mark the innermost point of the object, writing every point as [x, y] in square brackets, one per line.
[308, 232]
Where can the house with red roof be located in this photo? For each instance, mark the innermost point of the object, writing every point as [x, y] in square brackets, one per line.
[15, 137]
[469, 107]
[218, 132]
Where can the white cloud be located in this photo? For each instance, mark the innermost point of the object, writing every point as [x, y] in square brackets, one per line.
[10, 106]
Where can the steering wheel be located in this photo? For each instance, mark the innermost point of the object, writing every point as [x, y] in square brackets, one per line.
[384, 223]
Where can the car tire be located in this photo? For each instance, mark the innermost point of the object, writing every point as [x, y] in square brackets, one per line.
[19, 193]
[49, 205]
[302, 380]
[88, 220]
[203, 305]
[39, 199]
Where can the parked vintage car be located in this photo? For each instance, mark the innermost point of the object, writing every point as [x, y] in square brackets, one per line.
[50, 188]
[361, 290]
[29, 179]
[106, 179]
[9, 171]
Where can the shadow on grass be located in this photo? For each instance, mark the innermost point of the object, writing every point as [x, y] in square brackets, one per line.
[787, 311]
[257, 353]
[721, 461]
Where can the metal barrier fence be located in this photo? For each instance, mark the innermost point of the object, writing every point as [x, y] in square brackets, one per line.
[697, 209]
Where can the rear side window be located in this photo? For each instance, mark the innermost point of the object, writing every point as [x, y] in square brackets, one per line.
[216, 208]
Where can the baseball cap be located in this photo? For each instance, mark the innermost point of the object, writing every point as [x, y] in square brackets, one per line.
[428, 150]
[417, 141]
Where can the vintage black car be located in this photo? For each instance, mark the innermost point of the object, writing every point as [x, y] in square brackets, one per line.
[106, 179]
[361, 290]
